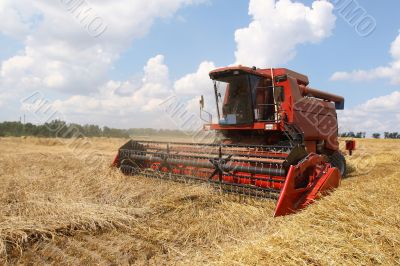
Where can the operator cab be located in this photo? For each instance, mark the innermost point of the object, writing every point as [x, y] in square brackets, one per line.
[243, 97]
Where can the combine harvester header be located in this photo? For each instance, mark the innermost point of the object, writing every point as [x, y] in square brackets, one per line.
[276, 138]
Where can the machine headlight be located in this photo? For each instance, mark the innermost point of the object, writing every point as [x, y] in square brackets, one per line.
[269, 127]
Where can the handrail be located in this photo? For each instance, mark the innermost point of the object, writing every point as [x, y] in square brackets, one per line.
[259, 107]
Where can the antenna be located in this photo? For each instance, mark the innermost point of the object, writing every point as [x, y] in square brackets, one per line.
[273, 90]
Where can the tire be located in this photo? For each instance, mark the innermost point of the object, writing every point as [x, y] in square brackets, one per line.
[337, 160]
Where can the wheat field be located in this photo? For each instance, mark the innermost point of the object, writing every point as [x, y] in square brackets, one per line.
[62, 204]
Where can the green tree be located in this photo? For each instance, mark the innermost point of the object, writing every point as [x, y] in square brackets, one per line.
[376, 135]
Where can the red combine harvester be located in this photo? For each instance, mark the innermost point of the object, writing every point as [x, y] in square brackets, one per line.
[276, 138]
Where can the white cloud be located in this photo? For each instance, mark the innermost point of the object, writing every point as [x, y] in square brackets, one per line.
[14, 18]
[190, 87]
[15, 66]
[144, 100]
[197, 83]
[153, 89]
[278, 27]
[59, 54]
[391, 71]
[376, 115]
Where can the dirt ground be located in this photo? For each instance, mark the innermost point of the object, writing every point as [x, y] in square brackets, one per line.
[61, 203]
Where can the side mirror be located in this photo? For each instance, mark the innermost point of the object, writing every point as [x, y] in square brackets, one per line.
[202, 102]
[204, 111]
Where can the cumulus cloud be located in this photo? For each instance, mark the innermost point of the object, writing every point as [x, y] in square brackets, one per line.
[15, 16]
[197, 83]
[190, 87]
[60, 54]
[376, 115]
[145, 99]
[391, 71]
[153, 89]
[278, 27]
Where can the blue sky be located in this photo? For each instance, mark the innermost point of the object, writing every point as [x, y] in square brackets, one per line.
[206, 34]
[203, 29]
[186, 33]
[195, 34]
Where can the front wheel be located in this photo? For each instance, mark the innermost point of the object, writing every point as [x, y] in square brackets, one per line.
[337, 160]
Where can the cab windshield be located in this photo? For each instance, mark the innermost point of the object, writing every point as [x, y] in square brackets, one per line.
[234, 99]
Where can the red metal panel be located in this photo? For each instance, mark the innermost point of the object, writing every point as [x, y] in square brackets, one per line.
[255, 126]
[322, 179]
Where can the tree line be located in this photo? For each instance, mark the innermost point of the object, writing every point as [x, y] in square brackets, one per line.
[61, 129]
[391, 135]
[357, 135]
[362, 135]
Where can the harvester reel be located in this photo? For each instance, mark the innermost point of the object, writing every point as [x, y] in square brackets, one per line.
[129, 167]
[284, 173]
[219, 165]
